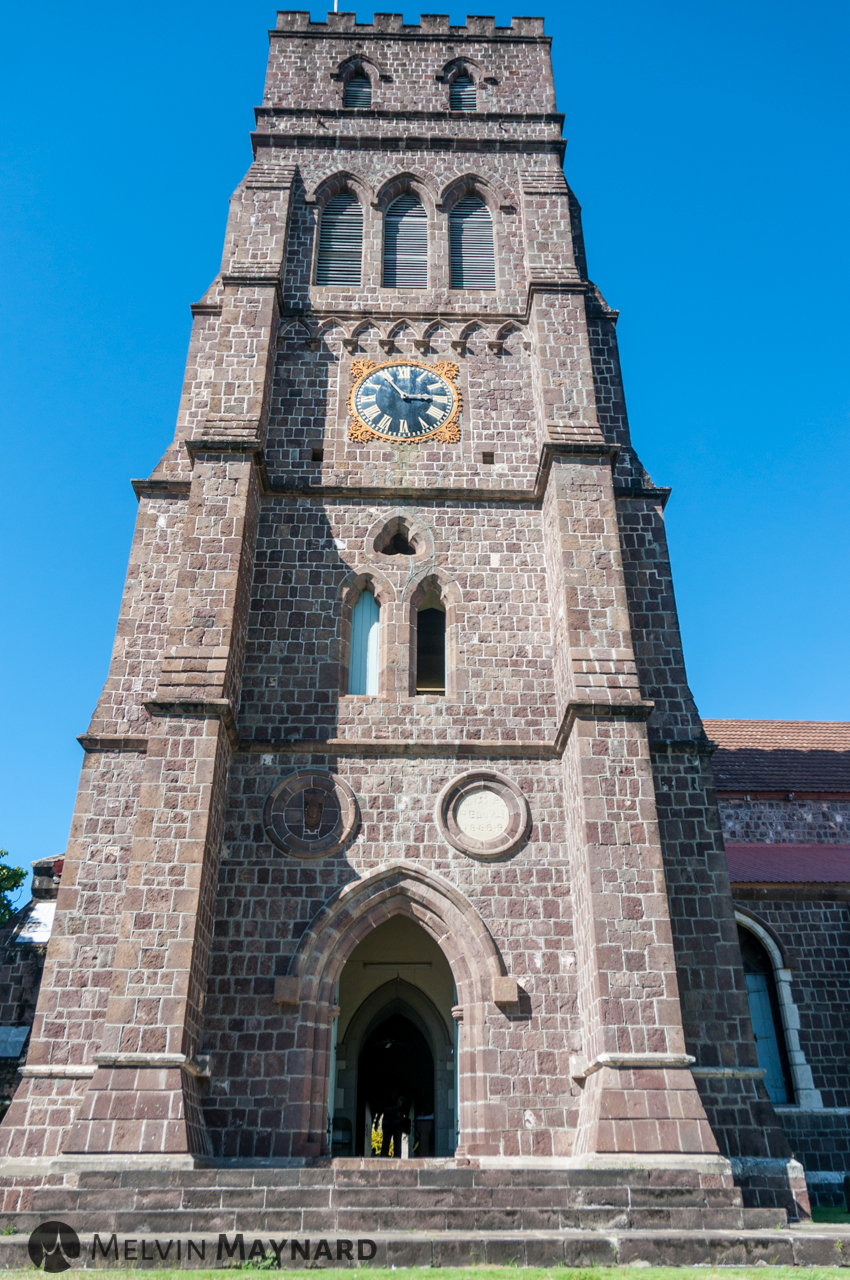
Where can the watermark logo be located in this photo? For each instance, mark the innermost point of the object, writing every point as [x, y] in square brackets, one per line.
[54, 1245]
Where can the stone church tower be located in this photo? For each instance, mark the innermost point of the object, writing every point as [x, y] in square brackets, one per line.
[396, 786]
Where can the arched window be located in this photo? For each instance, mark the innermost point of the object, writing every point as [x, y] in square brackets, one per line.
[358, 91]
[431, 645]
[472, 261]
[340, 241]
[365, 628]
[462, 93]
[406, 244]
[765, 1017]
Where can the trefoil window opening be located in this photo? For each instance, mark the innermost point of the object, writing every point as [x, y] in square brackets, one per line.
[398, 545]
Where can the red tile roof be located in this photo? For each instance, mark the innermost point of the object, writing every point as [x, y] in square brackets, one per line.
[781, 755]
[788, 863]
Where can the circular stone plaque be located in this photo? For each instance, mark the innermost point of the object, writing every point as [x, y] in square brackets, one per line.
[483, 814]
[309, 815]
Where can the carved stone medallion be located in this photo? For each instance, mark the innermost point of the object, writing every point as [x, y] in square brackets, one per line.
[310, 814]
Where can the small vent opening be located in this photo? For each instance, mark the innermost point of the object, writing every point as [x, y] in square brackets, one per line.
[462, 94]
[358, 91]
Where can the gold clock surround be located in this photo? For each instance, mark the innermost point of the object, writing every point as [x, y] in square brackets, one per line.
[447, 432]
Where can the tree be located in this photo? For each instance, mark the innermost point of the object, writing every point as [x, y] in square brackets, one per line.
[11, 879]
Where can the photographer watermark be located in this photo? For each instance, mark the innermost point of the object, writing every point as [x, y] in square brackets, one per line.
[54, 1246]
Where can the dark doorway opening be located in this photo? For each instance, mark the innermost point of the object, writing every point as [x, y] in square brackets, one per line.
[396, 1063]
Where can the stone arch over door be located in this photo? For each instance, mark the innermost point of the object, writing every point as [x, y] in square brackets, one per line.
[478, 970]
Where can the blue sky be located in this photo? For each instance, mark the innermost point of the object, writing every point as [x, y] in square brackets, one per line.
[708, 146]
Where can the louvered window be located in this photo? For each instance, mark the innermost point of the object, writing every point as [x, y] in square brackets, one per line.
[365, 630]
[471, 245]
[340, 241]
[358, 91]
[462, 94]
[406, 244]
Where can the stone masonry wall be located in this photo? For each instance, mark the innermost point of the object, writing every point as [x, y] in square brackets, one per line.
[266, 901]
[778, 821]
[491, 556]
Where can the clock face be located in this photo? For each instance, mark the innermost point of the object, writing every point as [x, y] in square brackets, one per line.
[404, 401]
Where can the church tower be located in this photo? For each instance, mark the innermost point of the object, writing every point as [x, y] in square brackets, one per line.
[396, 802]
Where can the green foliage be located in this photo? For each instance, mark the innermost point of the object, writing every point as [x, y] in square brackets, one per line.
[830, 1215]
[11, 879]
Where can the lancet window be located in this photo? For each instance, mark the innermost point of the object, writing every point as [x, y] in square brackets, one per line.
[471, 254]
[340, 241]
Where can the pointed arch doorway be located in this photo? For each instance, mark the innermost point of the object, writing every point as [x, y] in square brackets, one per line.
[396, 1043]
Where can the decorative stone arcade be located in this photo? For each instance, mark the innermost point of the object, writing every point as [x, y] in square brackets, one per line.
[396, 744]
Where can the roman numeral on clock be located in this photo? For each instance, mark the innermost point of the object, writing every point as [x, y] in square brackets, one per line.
[385, 422]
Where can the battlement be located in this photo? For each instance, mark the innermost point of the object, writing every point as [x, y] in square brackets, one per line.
[477, 27]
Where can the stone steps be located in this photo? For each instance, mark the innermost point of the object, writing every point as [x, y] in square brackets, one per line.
[821, 1246]
[356, 1197]
[347, 1222]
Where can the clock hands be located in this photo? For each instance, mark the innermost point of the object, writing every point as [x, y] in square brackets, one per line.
[404, 395]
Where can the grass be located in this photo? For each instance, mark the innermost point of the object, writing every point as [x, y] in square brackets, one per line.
[538, 1273]
[830, 1215]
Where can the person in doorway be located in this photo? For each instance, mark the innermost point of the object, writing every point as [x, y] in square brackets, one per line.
[396, 1121]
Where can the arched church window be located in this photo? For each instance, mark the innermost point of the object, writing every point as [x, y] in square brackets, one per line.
[406, 244]
[462, 95]
[340, 241]
[472, 260]
[358, 91]
[431, 645]
[365, 634]
[765, 1017]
